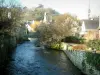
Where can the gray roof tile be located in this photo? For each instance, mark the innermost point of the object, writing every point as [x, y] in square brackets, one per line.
[91, 24]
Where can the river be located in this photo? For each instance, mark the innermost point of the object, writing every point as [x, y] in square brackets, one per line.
[30, 60]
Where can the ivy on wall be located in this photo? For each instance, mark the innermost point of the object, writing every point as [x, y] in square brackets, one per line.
[93, 59]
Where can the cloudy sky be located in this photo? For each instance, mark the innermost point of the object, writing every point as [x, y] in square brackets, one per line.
[77, 7]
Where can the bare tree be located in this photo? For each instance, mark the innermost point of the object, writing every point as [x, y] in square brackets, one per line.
[55, 32]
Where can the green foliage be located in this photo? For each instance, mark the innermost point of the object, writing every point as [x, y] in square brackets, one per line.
[7, 45]
[10, 29]
[55, 46]
[93, 60]
[10, 15]
[37, 13]
[70, 47]
[94, 44]
[74, 39]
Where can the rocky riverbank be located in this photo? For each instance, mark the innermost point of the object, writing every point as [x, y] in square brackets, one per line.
[87, 62]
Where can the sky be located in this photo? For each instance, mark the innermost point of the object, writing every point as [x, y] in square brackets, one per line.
[75, 7]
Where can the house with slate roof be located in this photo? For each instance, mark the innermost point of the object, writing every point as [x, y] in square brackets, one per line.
[90, 29]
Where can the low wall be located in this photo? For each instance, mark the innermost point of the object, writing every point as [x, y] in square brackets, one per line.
[88, 63]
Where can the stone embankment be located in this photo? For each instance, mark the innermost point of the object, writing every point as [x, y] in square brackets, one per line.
[87, 62]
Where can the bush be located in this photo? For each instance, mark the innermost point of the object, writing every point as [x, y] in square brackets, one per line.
[55, 46]
[7, 45]
[94, 44]
[74, 39]
[5, 24]
[93, 59]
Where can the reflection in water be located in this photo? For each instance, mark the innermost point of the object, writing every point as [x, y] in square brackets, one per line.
[30, 60]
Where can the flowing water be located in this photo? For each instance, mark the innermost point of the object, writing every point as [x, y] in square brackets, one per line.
[30, 60]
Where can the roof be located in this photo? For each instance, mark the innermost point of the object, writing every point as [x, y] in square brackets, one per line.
[91, 24]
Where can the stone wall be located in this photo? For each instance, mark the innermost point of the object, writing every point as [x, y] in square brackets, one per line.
[84, 61]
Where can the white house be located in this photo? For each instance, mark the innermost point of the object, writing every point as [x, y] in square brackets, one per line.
[28, 26]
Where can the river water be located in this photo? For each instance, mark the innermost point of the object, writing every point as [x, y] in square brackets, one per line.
[30, 60]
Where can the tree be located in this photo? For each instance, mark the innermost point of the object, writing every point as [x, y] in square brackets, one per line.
[62, 26]
[40, 6]
[10, 16]
[68, 23]
[37, 13]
